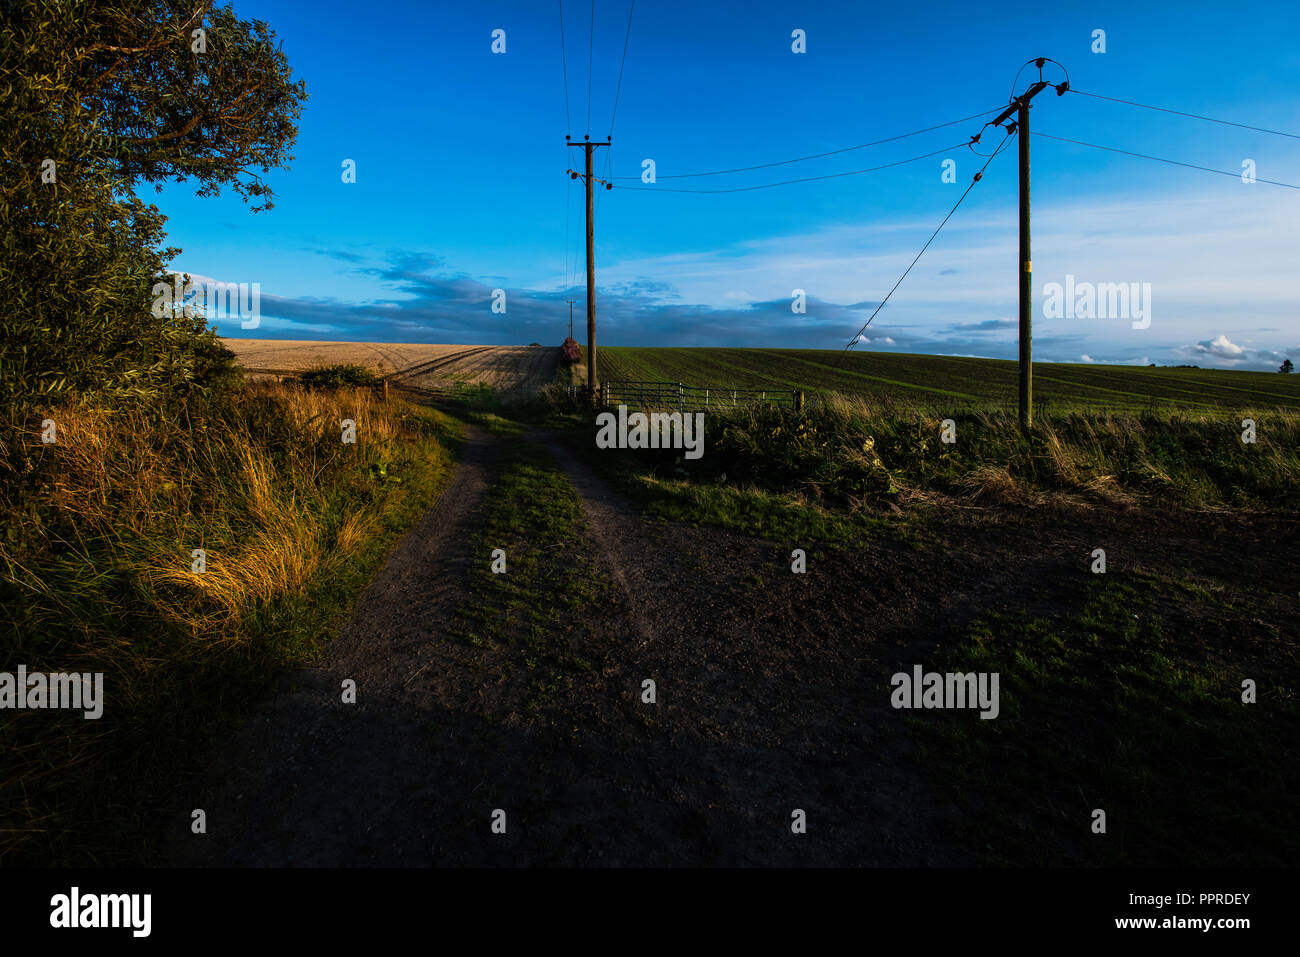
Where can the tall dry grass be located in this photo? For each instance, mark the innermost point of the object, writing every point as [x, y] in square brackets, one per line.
[97, 573]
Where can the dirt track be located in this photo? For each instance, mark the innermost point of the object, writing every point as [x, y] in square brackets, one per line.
[772, 697]
[419, 365]
[409, 774]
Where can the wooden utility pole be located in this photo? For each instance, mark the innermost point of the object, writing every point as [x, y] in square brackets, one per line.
[588, 146]
[1020, 106]
[1026, 278]
[570, 302]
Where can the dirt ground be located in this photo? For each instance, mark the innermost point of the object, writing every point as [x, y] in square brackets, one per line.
[772, 695]
[417, 365]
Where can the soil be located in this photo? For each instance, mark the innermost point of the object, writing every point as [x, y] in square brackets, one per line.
[418, 367]
[772, 691]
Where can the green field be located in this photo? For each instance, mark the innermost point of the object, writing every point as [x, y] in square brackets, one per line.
[955, 382]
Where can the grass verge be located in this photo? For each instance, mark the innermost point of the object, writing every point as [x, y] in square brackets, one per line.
[100, 571]
[838, 471]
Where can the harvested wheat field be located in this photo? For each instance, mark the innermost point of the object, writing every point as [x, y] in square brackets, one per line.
[419, 366]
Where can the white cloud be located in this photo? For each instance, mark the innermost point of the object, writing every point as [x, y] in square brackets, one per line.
[1221, 347]
[1222, 352]
[1220, 253]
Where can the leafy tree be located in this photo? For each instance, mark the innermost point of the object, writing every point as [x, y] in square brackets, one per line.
[99, 98]
[1286, 366]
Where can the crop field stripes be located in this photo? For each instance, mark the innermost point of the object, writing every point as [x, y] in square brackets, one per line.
[433, 365]
[968, 381]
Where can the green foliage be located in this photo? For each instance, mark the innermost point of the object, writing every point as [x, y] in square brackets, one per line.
[847, 449]
[824, 452]
[338, 376]
[98, 98]
[534, 611]
[766, 469]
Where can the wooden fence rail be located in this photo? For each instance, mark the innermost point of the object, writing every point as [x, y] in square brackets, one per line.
[687, 398]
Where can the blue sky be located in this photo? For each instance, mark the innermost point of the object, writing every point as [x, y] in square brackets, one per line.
[461, 185]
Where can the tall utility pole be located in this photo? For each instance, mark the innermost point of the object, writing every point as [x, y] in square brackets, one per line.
[1026, 277]
[570, 302]
[1020, 106]
[588, 146]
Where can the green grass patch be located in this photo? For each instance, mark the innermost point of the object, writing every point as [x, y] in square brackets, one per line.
[667, 487]
[532, 613]
[494, 423]
[1106, 706]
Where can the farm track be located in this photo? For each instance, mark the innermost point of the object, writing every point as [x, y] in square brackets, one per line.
[313, 782]
[772, 692]
[409, 775]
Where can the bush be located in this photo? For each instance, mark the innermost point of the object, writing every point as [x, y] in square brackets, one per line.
[570, 352]
[822, 452]
[844, 448]
[338, 376]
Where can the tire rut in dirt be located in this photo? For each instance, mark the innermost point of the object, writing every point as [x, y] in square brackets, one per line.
[313, 781]
[771, 698]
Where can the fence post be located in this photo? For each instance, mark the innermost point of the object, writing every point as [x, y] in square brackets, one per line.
[680, 396]
[798, 400]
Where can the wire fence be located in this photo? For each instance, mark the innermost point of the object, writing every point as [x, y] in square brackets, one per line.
[648, 394]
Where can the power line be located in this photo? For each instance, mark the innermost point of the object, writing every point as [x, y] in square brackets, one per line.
[619, 88]
[1195, 116]
[568, 206]
[605, 172]
[976, 179]
[1160, 159]
[846, 149]
[564, 61]
[591, 36]
[806, 179]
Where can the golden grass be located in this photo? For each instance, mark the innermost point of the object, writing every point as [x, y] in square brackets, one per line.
[97, 532]
[156, 492]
